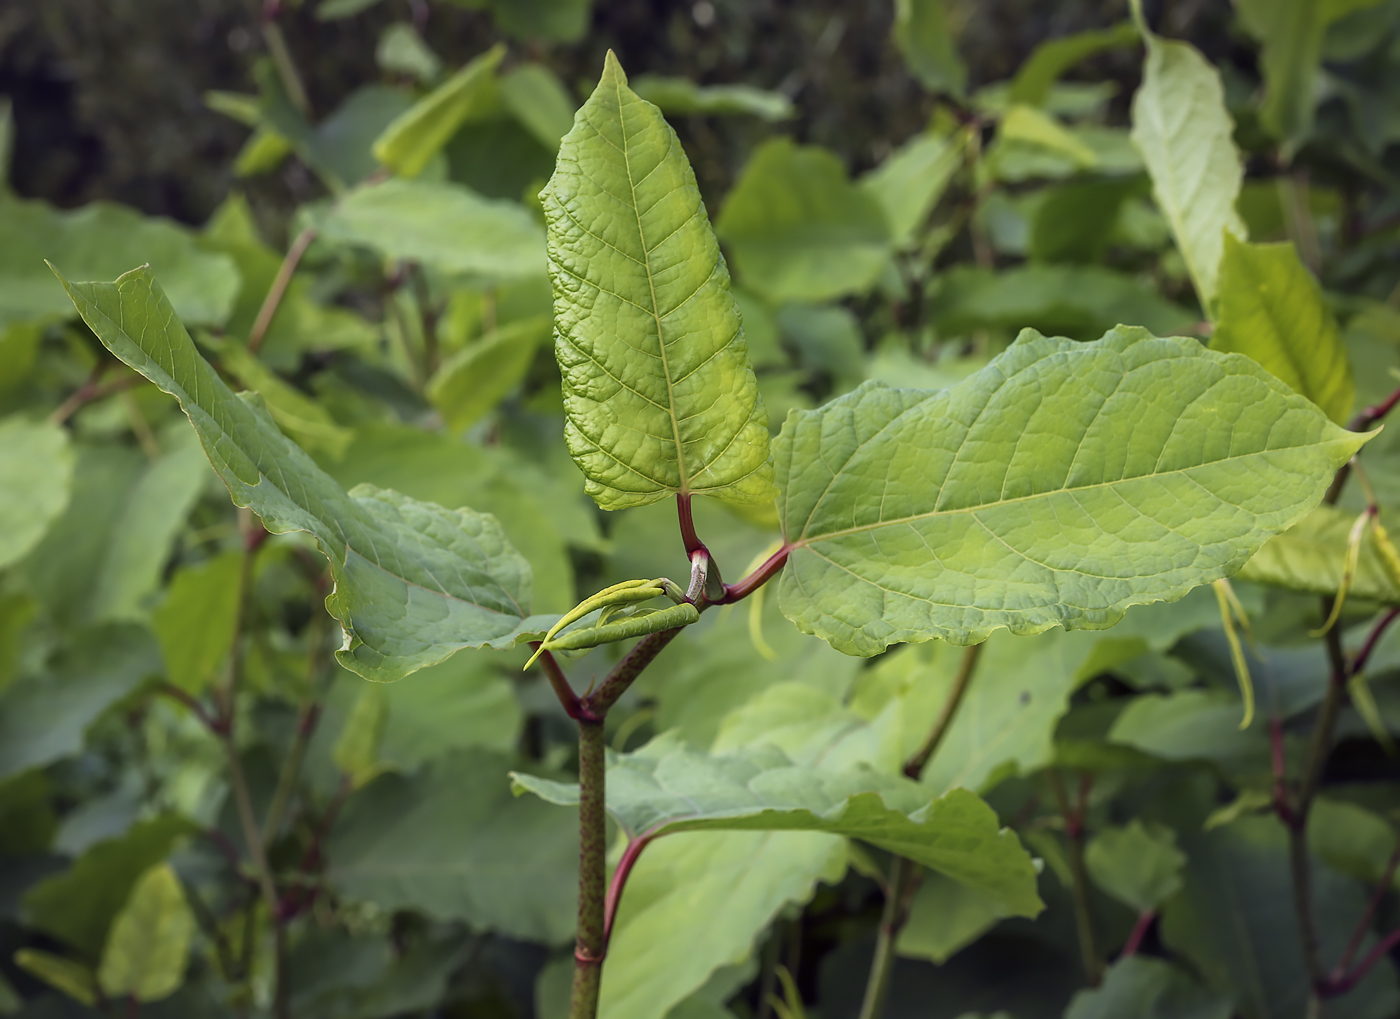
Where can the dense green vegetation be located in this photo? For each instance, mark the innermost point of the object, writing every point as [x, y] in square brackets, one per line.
[978, 605]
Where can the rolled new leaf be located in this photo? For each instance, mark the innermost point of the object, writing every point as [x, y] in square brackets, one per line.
[659, 396]
[1060, 485]
[414, 582]
[644, 622]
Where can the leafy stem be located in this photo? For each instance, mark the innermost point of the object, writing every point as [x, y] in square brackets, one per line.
[278, 289]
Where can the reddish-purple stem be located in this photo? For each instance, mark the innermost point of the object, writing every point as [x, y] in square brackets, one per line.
[1372, 639]
[1279, 766]
[1335, 987]
[572, 705]
[1364, 924]
[214, 725]
[619, 881]
[1145, 921]
[743, 588]
[692, 540]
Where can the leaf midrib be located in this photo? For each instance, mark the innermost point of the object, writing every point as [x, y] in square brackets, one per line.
[684, 488]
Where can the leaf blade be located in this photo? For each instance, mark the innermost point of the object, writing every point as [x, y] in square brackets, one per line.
[414, 582]
[696, 424]
[1057, 532]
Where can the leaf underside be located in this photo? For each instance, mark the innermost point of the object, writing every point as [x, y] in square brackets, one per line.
[658, 392]
[414, 582]
[1060, 485]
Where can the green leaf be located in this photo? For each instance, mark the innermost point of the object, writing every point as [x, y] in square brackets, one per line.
[1183, 131]
[149, 944]
[197, 621]
[659, 954]
[79, 905]
[298, 415]
[1165, 468]
[1076, 222]
[1139, 865]
[540, 101]
[44, 718]
[1270, 308]
[921, 33]
[1148, 988]
[445, 226]
[419, 133]
[99, 241]
[1191, 725]
[538, 513]
[1053, 58]
[909, 183]
[946, 916]
[665, 788]
[36, 476]
[356, 752]
[413, 582]
[1007, 720]
[401, 50]
[681, 96]
[1028, 125]
[480, 375]
[1233, 922]
[1351, 840]
[658, 391]
[799, 230]
[1310, 556]
[145, 532]
[554, 20]
[452, 842]
[73, 978]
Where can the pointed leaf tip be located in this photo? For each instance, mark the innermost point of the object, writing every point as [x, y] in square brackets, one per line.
[612, 69]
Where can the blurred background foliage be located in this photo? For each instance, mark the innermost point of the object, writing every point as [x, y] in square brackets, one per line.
[960, 171]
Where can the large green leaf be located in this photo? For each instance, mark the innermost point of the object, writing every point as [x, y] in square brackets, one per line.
[1271, 308]
[36, 474]
[99, 241]
[665, 788]
[443, 225]
[1183, 131]
[658, 390]
[149, 943]
[1060, 485]
[414, 582]
[79, 905]
[799, 230]
[1311, 556]
[453, 842]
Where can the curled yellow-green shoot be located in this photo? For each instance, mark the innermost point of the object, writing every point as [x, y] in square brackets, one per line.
[1230, 609]
[1358, 532]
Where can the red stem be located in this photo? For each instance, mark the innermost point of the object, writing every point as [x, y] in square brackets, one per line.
[1333, 988]
[1364, 923]
[692, 540]
[619, 881]
[1144, 921]
[572, 705]
[1372, 639]
[743, 588]
[1279, 767]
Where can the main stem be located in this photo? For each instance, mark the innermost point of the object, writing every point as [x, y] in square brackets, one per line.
[591, 946]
